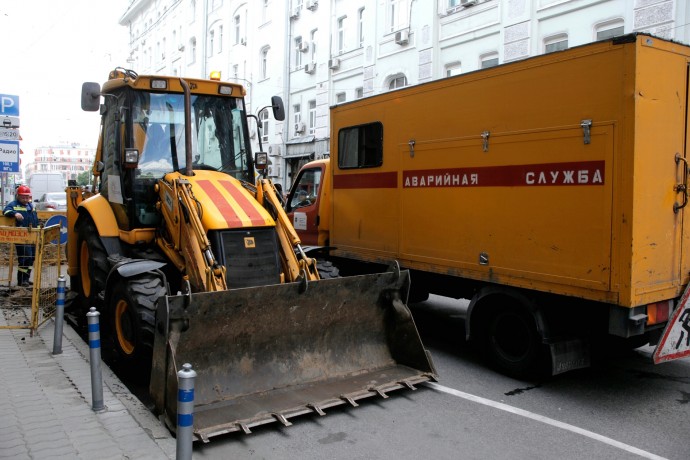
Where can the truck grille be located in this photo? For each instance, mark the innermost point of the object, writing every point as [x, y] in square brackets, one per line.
[250, 257]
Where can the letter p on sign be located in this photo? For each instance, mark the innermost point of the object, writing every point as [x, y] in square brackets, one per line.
[9, 105]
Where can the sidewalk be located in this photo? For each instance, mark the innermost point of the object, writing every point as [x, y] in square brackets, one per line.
[46, 404]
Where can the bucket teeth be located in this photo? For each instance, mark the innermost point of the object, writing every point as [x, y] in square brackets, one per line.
[316, 409]
[378, 391]
[281, 418]
[349, 400]
[407, 385]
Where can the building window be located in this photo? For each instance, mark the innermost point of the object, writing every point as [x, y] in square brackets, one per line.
[312, 47]
[220, 39]
[488, 60]
[297, 118]
[298, 52]
[312, 116]
[556, 43]
[192, 50]
[211, 37]
[609, 29]
[263, 116]
[264, 63]
[453, 69]
[397, 14]
[399, 81]
[360, 26]
[341, 35]
[359, 93]
[340, 98]
[238, 29]
[264, 11]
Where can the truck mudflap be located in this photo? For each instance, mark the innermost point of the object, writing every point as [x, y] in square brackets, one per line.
[271, 353]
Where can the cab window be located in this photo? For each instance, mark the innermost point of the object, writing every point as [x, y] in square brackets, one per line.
[306, 189]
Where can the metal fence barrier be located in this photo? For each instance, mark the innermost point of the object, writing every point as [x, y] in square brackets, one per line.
[29, 307]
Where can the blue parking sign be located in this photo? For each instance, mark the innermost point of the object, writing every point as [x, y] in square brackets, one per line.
[9, 105]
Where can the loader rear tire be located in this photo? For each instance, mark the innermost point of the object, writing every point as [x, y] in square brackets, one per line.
[93, 262]
[327, 270]
[133, 317]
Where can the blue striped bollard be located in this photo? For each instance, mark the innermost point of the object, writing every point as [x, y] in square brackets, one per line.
[59, 316]
[185, 412]
[95, 360]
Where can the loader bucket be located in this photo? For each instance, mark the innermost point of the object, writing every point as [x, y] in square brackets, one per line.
[270, 353]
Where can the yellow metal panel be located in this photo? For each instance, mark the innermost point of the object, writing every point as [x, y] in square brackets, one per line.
[227, 203]
[660, 119]
[99, 209]
[615, 241]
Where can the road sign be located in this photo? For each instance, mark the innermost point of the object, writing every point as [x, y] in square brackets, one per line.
[9, 105]
[9, 156]
[9, 122]
[62, 220]
[675, 341]
[9, 134]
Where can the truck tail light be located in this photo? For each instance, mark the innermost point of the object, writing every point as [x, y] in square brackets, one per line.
[659, 312]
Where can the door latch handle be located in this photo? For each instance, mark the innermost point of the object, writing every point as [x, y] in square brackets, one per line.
[683, 187]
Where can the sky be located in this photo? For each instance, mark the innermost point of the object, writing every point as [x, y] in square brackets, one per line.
[50, 47]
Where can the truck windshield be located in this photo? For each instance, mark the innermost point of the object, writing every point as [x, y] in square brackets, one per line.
[218, 129]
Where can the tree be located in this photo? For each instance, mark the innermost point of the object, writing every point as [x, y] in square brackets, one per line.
[84, 178]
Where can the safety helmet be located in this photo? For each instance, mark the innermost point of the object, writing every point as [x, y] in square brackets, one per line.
[23, 190]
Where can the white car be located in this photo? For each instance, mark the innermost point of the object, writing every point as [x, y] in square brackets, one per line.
[53, 201]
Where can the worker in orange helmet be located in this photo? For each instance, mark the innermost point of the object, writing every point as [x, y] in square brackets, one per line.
[23, 212]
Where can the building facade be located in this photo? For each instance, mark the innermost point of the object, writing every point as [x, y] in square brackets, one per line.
[70, 160]
[318, 53]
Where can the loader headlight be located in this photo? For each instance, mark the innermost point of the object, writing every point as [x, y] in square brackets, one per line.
[131, 158]
[159, 84]
[261, 160]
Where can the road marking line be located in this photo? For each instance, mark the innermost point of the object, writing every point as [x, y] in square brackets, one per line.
[543, 419]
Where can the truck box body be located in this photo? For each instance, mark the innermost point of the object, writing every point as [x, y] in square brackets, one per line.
[41, 183]
[498, 175]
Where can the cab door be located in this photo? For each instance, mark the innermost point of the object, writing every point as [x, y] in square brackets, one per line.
[303, 203]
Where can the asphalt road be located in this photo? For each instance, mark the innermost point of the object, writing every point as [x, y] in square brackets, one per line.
[623, 407]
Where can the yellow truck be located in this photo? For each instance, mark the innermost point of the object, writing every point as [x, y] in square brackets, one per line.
[551, 192]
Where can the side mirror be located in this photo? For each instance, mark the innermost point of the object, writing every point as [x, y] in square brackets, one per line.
[90, 96]
[278, 108]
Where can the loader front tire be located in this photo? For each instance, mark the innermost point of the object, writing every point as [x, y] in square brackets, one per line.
[93, 262]
[133, 317]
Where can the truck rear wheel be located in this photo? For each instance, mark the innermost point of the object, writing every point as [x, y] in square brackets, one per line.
[133, 316]
[511, 341]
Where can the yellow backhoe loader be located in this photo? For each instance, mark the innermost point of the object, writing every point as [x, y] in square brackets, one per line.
[184, 248]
